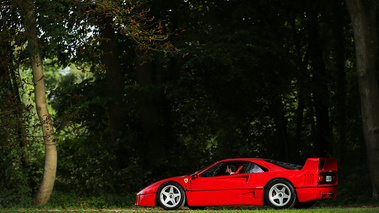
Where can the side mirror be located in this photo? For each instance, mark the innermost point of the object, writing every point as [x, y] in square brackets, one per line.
[196, 175]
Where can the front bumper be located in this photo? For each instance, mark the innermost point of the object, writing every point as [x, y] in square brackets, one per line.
[145, 199]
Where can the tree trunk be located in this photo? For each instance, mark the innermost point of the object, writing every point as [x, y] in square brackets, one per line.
[154, 117]
[115, 90]
[114, 78]
[363, 16]
[281, 129]
[339, 53]
[46, 187]
[303, 79]
[320, 88]
[21, 136]
[148, 104]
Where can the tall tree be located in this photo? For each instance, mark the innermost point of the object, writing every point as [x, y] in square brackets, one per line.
[363, 16]
[339, 18]
[115, 84]
[320, 90]
[46, 187]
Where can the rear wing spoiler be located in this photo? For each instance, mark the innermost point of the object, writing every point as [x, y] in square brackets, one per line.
[321, 164]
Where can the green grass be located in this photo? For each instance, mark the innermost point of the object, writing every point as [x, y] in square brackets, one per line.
[210, 210]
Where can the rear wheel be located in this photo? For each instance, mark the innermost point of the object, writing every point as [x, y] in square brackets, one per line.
[171, 196]
[280, 194]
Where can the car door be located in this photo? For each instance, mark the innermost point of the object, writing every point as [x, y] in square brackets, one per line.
[257, 178]
[214, 187]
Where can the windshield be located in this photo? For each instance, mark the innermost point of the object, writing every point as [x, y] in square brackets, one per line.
[202, 169]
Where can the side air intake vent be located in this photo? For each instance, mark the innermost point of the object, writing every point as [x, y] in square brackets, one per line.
[309, 179]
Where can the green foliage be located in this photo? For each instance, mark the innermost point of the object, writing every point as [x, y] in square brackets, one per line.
[19, 133]
[15, 190]
[353, 194]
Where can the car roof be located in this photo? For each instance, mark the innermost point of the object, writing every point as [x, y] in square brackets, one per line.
[267, 162]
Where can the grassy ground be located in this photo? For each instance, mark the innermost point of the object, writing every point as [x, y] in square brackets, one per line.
[208, 210]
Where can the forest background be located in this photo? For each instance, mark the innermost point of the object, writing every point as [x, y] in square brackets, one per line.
[140, 90]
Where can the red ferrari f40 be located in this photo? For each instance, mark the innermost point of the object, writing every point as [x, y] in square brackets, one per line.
[247, 181]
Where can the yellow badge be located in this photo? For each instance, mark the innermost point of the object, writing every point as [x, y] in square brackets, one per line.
[185, 180]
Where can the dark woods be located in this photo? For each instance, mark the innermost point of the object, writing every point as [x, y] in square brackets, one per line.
[143, 90]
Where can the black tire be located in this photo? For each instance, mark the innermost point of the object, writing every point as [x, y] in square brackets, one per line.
[171, 196]
[280, 194]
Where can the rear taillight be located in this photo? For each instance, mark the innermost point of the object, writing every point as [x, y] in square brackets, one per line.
[327, 178]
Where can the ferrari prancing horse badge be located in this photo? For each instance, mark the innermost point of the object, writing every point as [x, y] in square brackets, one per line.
[185, 180]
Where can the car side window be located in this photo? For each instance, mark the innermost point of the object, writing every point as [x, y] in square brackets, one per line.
[220, 169]
[254, 168]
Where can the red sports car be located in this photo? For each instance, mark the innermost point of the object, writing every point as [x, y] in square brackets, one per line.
[247, 181]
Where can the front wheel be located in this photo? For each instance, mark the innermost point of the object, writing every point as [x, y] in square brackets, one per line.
[171, 196]
[280, 194]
